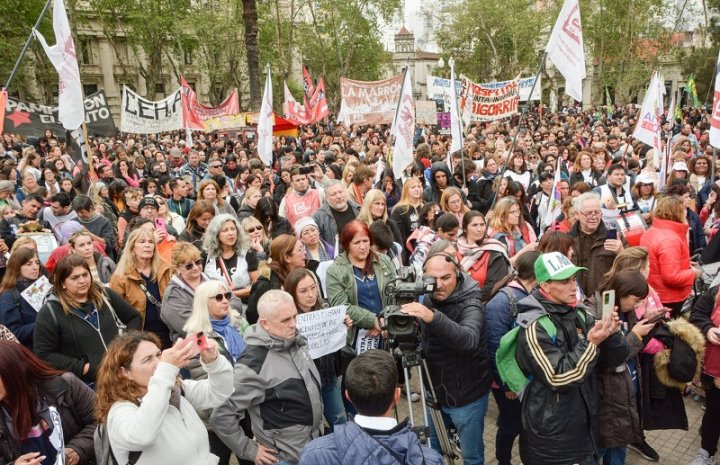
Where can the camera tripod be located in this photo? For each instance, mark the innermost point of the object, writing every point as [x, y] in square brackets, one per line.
[411, 357]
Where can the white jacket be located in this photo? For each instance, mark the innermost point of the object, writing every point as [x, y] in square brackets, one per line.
[164, 434]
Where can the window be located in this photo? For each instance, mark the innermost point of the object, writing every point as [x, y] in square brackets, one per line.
[89, 89]
[86, 55]
[121, 51]
[160, 88]
[187, 57]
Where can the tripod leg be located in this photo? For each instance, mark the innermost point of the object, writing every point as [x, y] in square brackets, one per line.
[409, 394]
[446, 446]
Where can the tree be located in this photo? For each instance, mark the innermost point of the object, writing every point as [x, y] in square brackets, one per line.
[250, 22]
[701, 61]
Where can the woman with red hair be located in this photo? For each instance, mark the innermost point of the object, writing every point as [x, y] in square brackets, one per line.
[358, 278]
[43, 412]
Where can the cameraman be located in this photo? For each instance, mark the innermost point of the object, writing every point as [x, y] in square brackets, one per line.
[453, 333]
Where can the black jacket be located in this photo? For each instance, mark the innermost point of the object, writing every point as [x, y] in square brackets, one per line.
[456, 348]
[67, 342]
[485, 194]
[433, 193]
[74, 401]
[559, 405]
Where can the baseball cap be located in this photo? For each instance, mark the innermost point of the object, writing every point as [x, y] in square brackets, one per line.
[148, 201]
[554, 266]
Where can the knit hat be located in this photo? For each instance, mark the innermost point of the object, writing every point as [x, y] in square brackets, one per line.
[554, 266]
[67, 229]
[303, 223]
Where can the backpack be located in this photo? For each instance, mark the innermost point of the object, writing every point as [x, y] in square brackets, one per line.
[103, 451]
[510, 372]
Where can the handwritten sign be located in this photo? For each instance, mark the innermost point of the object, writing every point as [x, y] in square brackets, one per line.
[364, 342]
[324, 330]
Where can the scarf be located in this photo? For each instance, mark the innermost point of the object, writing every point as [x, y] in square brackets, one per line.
[471, 253]
[235, 343]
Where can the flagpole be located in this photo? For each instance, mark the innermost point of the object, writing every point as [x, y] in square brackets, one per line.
[714, 162]
[27, 44]
[522, 117]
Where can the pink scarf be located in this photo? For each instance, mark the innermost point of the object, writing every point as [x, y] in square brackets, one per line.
[471, 253]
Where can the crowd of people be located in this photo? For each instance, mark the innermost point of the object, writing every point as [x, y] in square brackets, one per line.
[178, 268]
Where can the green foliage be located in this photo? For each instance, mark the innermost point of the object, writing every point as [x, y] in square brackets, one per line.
[701, 61]
[19, 18]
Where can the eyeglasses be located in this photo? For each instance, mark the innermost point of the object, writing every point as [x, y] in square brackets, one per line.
[189, 266]
[253, 229]
[591, 213]
[219, 297]
[215, 166]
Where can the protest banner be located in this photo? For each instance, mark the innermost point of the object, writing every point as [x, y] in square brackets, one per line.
[139, 115]
[439, 88]
[324, 330]
[195, 114]
[370, 102]
[426, 112]
[225, 122]
[31, 119]
[315, 108]
[444, 120]
[483, 103]
[3, 99]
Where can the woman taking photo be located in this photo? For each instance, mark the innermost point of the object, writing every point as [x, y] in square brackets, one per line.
[315, 246]
[210, 191]
[172, 219]
[358, 277]
[16, 313]
[212, 315]
[146, 408]
[483, 258]
[199, 218]
[42, 408]
[287, 253]
[101, 267]
[79, 320]
[671, 273]
[510, 229]
[451, 202]
[406, 214]
[301, 284]
[229, 256]
[141, 278]
[177, 301]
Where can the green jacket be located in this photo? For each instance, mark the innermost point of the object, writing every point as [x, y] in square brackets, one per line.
[342, 289]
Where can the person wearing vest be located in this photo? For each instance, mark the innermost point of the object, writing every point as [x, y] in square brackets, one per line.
[483, 258]
[706, 316]
[615, 194]
[560, 402]
[301, 201]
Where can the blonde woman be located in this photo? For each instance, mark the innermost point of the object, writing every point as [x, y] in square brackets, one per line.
[374, 207]
[249, 202]
[259, 240]
[141, 278]
[451, 202]
[508, 226]
[406, 213]
[101, 267]
[171, 218]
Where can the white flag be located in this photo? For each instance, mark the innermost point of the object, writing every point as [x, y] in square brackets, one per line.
[671, 112]
[647, 129]
[404, 129]
[71, 111]
[455, 125]
[554, 207]
[715, 116]
[565, 48]
[265, 125]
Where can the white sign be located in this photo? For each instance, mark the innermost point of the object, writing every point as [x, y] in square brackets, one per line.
[363, 343]
[142, 116]
[35, 293]
[324, 330]
[439, 88]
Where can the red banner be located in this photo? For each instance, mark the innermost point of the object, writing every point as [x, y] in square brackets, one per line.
[315, 109]
[308, 86]
[195, 113]
[483, 102]
[3, 101]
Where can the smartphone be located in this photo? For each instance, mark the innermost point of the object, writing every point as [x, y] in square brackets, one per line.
[161, 225]
[608, 304]
[612, 233]
[199, 341]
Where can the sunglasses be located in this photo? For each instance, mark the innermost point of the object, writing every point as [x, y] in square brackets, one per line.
[219, 297]
[253, 229]
[189, 266]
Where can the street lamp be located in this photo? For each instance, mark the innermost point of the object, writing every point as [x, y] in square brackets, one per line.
[441, 63]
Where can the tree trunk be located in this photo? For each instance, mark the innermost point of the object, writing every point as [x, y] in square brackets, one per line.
[250, 21]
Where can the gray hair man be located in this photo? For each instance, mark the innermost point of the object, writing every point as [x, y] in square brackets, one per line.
[338, 211]
[277, 384]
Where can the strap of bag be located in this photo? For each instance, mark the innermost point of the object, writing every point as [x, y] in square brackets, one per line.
[228, 278]
[149, 296]
[122, 328]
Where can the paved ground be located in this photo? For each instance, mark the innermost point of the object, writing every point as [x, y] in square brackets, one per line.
[675, 447]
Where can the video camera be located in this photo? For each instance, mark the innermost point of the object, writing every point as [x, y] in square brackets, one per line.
[402, 329]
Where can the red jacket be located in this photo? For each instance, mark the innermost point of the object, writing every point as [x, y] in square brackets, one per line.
[670, 272]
